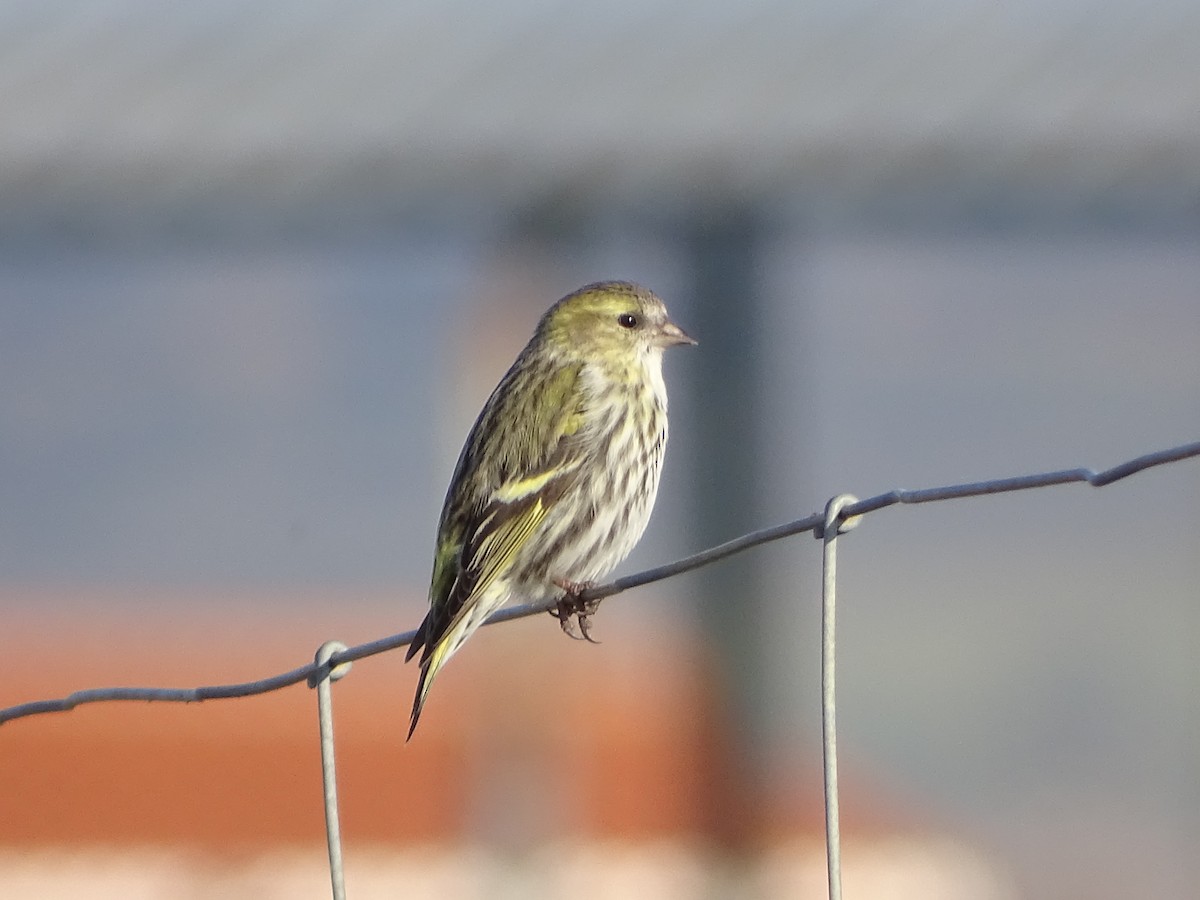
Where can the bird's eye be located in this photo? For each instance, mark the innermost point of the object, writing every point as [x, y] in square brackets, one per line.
[627, 320]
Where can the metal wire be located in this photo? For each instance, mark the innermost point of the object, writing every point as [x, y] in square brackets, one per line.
[835, 523]
[842, 513]
[814, 523]
[322, 680]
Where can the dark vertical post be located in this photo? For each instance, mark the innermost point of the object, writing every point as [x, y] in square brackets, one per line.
[722, 252]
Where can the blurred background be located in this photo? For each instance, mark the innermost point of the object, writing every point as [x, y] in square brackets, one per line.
[260, 266]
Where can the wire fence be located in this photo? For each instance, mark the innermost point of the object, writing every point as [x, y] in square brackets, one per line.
[842, 513]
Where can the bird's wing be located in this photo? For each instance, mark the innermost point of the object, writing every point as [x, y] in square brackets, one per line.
[507, 480]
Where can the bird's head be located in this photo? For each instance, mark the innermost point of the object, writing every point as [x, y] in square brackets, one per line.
[615, 320]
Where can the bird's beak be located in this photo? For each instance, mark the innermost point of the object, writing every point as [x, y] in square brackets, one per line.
[671, 335]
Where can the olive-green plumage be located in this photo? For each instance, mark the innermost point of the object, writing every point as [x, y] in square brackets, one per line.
[559, 473]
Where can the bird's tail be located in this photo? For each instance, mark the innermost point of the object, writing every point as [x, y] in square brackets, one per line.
[432, 660]
[428, 672]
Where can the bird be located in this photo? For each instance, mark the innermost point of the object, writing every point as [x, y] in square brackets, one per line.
[558, 476]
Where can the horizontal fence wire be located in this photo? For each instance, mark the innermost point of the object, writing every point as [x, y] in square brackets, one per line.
[815, 523]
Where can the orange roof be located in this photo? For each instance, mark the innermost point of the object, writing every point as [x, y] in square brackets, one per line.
[527, 735]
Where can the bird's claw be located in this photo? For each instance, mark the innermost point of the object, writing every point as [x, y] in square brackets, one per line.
[572, 605]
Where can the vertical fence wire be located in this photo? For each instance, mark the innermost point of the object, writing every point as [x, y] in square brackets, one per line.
[833, 526]
[322, 680]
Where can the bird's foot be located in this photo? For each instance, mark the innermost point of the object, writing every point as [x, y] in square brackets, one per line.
[571, 604]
